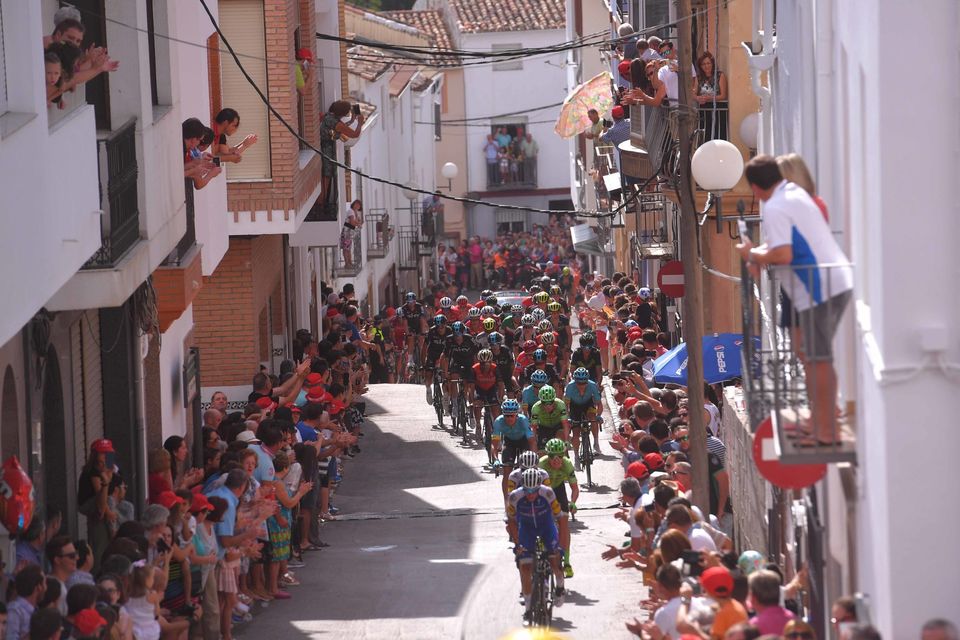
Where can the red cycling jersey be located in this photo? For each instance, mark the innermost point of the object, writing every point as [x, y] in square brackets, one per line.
[485, 379]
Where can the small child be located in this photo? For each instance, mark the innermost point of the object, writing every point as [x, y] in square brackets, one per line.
[54, 74]
[143, 604]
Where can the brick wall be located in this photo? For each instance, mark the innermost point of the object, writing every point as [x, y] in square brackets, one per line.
[290, 186]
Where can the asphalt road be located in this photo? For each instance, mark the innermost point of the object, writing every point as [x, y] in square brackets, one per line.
[421, 552]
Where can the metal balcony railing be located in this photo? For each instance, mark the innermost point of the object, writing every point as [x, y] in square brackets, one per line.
[657, 129]
[409, 253]
[512, 173]
[379, 233]
[791, 377]
[189, 238]
[656, 220]
[120, 224]
[350, 254]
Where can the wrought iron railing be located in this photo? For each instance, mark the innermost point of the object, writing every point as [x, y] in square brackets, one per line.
[511, 172]
[656, 129]
[655, 225]
[790, 377]
[379, 233]
[120, 224]
[407, 245]
[189, 238]
[350, 255]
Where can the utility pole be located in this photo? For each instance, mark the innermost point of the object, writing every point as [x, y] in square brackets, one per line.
[693, 298]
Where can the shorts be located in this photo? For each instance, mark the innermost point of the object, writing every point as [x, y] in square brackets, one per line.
[818, 325]
[562, 499]
[602, 340]
[487, 396]
[465, 372]
[512, 449]
[309, 500]
[582, 412]
[545, 433]
[527, 538]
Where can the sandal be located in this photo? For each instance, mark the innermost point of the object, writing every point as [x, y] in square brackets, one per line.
[326, 516]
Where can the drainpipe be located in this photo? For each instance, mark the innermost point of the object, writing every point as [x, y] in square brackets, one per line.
[759, 62]
[143, 342]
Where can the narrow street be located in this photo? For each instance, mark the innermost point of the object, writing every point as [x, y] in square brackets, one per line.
[422, 539]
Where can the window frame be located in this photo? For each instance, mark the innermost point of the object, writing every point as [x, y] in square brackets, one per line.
[509, 65]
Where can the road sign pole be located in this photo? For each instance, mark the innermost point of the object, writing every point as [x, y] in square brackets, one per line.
[693, 300]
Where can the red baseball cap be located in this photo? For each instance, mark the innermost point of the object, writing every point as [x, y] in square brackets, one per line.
[317, 394]
[102, 446]
[629, 402]
[654, 461]
[637, 470]
[168, 499]
[624, 69]
[305, 54]
[335, 406]
[717, 581]
[87, 621]
[313, 380]
[200, 503]
[266, 403]
[618, 112]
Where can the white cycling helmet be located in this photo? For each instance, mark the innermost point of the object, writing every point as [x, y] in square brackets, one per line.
[527, 320]
[445, 303]
[473, 313]
[538, 314]
[531, 478]
[528, 459]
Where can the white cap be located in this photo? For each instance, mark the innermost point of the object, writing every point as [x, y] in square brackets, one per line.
[247, 436]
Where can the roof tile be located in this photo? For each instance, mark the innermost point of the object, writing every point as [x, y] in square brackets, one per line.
[478, 16]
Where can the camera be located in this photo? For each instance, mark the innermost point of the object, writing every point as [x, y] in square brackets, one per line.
[216, 161]
[162, 546]
[691, 563]
[356, 109]
[607, 123]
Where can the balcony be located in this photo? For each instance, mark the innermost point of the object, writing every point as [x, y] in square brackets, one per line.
[178, 280]
[409, 237]
[120, 224]
[350, 255]
[655, 235]
[379, 233]
[785, 383]
[512, 174]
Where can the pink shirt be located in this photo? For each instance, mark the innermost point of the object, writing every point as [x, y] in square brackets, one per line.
[476, 253]
[772, 620]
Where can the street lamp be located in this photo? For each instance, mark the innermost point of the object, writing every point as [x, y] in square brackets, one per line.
[749, 129]
[717, 166]
[410, 191]
[449, 171]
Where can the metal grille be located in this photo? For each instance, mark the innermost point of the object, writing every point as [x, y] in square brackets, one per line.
[120, 227]
[379, 233]
[408, 248]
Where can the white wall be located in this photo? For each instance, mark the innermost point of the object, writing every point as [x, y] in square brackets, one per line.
[172, 412]
[493, 92]
[50, 196]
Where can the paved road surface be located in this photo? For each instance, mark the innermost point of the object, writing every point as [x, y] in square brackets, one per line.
[421, 551]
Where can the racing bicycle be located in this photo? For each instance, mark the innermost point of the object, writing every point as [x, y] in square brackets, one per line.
[541, 609]
[586, 453]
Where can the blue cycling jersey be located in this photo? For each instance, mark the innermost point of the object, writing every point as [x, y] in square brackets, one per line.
[519, 431]
[529, 396]
[590, 395]
[540, 512]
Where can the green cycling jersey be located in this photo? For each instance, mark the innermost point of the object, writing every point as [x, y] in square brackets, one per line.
[539, 415]
[558, 476]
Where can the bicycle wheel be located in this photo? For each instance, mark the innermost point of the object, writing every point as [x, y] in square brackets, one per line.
[536, 595]
[586, 454]
[454, 416]
[462, 412]
[438, 399]
[487, 433]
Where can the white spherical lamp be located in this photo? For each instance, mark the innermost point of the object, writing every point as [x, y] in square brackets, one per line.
[409, 192]
[449, 171]
[717, 166]
[749, 130]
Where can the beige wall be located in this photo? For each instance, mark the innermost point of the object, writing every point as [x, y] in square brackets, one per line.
[452, 148]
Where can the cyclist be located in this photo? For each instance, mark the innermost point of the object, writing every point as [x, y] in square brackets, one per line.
[512, 434]
[548, 342]
[583, 402]
[473, 322]
[489, 326]
[526, 331]
[491, 301]
[448, 310]
[491, 313]
[561, 326]
[398, 327]
[540, 362]
[531, 393]
[549, 417]
[503, 358]
[540, 300]
[488, 388]
[486, 293]
[526, 460]
[566, 284]
[532, 511]
[556, 293]
[588, 357]
[436, 341]
[463, 307]
[458, 356]
[416, 319]
[524, 359]
[560, 472]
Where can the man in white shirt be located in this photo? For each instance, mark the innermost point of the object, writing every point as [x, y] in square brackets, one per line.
[667, 74]
[664, 622]
[678, 517]
[816, 276]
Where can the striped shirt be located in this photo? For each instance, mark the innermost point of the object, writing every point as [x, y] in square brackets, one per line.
[716, 447]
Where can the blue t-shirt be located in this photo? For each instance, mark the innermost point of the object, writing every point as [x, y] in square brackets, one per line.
[519, 431]
[228, 522]
[307, 433]
[590, 395]
[264, 471]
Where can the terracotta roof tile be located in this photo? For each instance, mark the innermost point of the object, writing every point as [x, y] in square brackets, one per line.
[478, 16]
[429, 21]
[371, 65]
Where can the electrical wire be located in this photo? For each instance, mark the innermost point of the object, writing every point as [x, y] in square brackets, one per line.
[335, 162]
[504, 115]
[444, 123]
[589, 40]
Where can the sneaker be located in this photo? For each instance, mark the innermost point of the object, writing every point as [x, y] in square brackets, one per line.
[429, 395]
[281, 595]
[334, 510]
[558, 594]
[296, 563]
[241, 608]
[289, 580]
[567, 571]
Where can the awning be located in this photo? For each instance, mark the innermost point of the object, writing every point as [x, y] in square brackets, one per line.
[585, 240]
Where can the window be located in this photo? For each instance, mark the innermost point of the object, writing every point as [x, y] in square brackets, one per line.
[158, 53]
[507, 64]
[511, 221]
[437, 133]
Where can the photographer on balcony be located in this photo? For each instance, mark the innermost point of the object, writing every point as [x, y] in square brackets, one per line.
[819, 282]
[334, 127]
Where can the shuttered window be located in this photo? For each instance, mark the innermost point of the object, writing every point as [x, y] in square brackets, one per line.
[3, 70]
[243, 25]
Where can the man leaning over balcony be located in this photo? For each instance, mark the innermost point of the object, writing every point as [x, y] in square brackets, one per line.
[819, 282]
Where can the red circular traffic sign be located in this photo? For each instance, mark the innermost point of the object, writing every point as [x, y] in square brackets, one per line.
[785, 476]
[670, 279]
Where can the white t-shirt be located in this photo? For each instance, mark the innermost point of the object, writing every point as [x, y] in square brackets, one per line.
[597, 302]
[790, 217]
[636, 531]
[669, 77]
[700, 540]
[649, 54]
[666, 616]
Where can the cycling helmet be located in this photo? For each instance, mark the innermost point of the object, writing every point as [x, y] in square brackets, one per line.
[555, 447]
[459, 329]
[555, 290]
[529, 346]
[644, 293]
[631, 323]
[517, 309]
[528, 459]
[488, 311]
[439, 320]
[445, 302]
[463, 300]
[495, 339]
[538, 314]
[534, 288]
[531, 478]
[553, 306]
[588, 339]
[547, 394]
[539, 377]
[485, 355]
[545, 325]
[750, 561]
[485, 293]
[489, 324]
[527, 320]
[510, 407]
[540, 297]
[491, 300]
[539, 355]
[581, 375]
[473, 313]
[411, 297]
[547, 337]
[565, 271]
